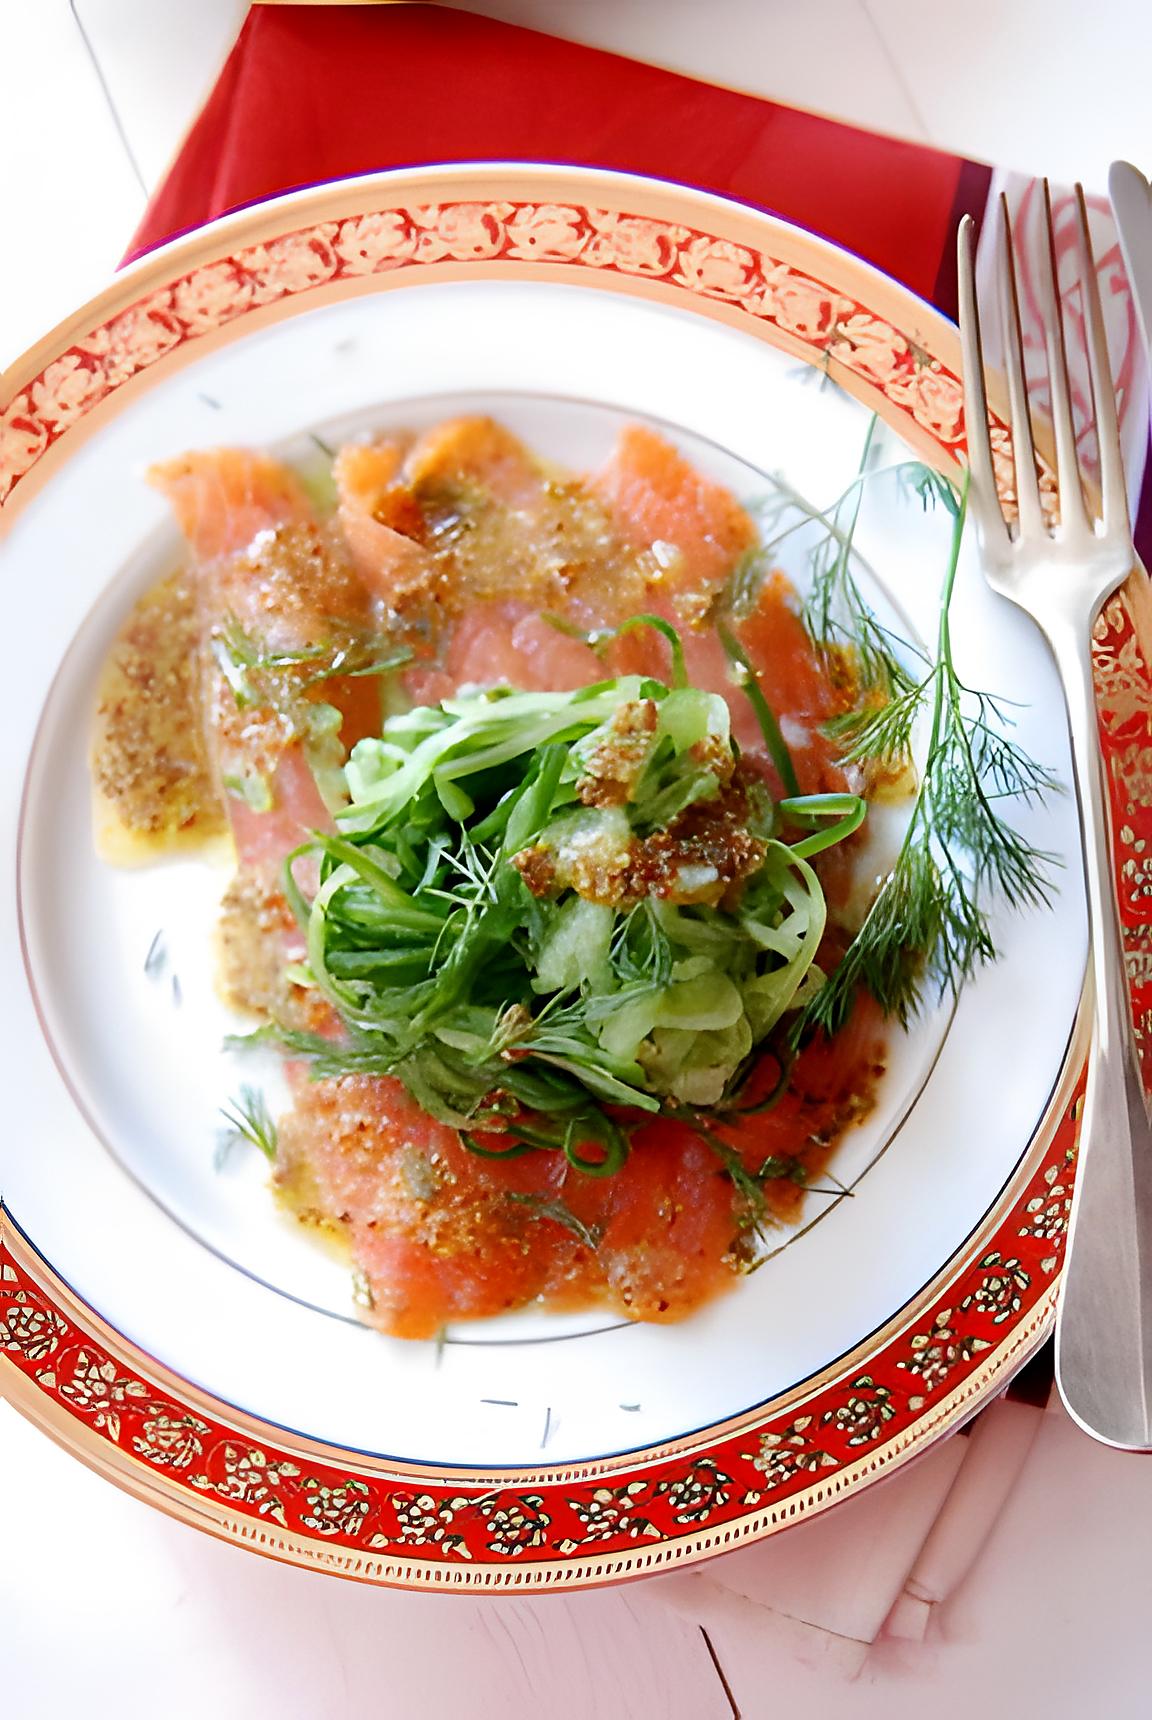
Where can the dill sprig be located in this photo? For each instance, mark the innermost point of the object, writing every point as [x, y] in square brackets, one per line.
[929, 919]
[752, 1212]
[838, 620]
[835, 614]
[560, 1213]
[260, 675]
[247, 1118]
[748, 680]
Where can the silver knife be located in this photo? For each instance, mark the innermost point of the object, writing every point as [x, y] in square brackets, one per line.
[1131, 197]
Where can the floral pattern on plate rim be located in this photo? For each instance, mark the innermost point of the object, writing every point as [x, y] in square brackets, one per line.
[609, 241]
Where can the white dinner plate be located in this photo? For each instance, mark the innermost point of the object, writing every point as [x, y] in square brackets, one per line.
[240, 1389]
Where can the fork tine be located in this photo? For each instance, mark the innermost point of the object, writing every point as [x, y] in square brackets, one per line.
[1112, 486]
[1023, 447]
[1073, 518]
[982, 497]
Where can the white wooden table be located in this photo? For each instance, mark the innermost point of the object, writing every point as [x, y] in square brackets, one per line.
[134, 1613]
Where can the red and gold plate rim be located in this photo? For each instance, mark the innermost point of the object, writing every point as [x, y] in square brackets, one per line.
[295, 1499]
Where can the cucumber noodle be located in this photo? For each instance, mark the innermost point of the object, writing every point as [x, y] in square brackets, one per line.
[556, 1020]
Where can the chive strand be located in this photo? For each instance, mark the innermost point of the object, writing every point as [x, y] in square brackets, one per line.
[765, 715]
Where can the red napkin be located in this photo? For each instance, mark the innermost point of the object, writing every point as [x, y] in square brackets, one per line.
[311, 93]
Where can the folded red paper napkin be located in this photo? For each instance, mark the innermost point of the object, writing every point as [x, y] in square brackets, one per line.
[312, 93]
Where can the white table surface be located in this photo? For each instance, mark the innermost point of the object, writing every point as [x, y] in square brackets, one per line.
[135, 1614]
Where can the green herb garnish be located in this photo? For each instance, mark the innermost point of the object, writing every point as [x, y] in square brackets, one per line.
[282, 684]
[560, 1213]
[261, 676]
[490, 928]
[752, 1208]
[929, 919]
[247, 1118]
[835, 613]
[749, 683]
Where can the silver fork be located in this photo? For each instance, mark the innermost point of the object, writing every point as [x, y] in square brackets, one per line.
[1062, 577]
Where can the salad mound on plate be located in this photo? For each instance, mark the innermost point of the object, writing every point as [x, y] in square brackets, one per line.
[545, 804]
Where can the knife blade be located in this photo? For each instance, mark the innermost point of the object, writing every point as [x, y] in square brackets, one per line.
[1131, 197]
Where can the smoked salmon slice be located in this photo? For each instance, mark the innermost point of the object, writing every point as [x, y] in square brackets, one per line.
[271, 584]
[476, 451]
[434, 1229]
[506, 642]
[656, 497]
[378, 518]
[223, 498]
[399, 500]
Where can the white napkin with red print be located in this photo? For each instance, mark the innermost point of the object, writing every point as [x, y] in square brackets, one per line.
[858, 1588]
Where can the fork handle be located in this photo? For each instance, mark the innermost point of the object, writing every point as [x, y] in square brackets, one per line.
[1103, 1358]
